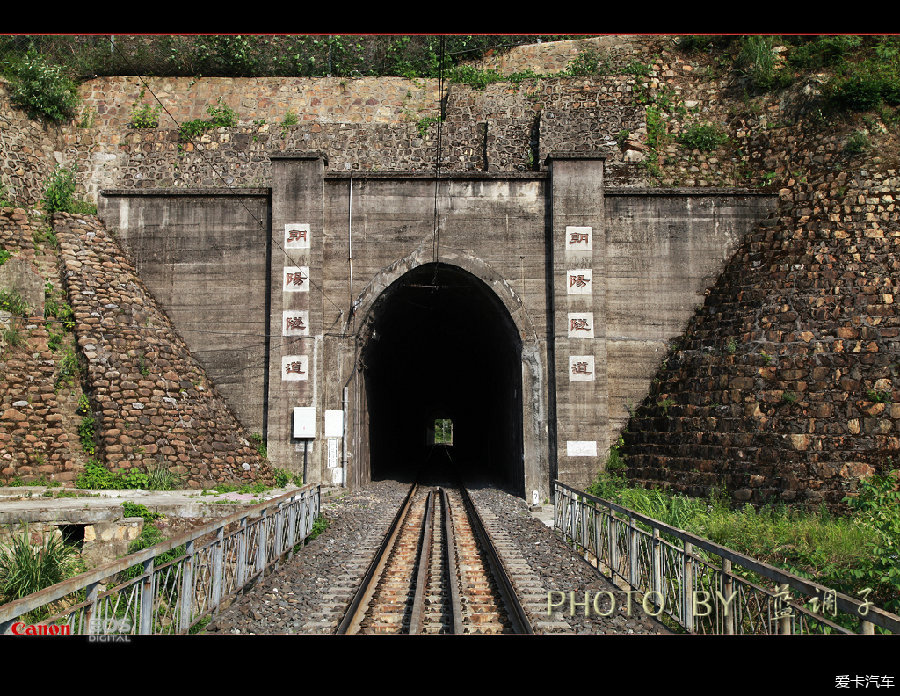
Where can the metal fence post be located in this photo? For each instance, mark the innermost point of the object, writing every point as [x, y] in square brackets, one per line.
[611, 523]
[218, 573]
[687, 588]
[277, 547]
[91, 592]
[240, 573]
[632, 554]
[727, 589]
[146, 620]
[187, 589]
[293, 507]
[656, 568]
[261, 542]
[556, 508]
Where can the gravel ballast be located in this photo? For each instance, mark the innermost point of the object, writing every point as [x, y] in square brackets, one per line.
[309, 593]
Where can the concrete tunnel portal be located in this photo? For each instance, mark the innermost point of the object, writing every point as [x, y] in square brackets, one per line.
[443, 347]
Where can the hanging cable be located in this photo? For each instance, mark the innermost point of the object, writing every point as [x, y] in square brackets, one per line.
[436, 234]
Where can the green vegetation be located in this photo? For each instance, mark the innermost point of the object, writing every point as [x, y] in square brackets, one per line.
[879, 396]
[130, 509]
[846, 553]
[5, 200]
[857, 143]
[320, 524]
[40, 87]
[443, 431]
[160, 478]
[69, 369]
[145, 116]
[254, 55]
[257, 440]
[13, 303]
[97, 477]
[25, 569]
[59, 191]
[586, 63]
[220, 116]
[244, 488]
[283, 477]
[877, 510]
[703, 136]
[756, 60]
[424, 123]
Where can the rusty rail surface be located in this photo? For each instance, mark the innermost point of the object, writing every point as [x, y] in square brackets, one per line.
[134, 596]
[673, 569]
[359, 611]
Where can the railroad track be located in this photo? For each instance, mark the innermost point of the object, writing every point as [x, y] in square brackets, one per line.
[437, 572]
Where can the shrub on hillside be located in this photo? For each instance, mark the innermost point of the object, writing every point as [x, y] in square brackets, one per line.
[42, 89]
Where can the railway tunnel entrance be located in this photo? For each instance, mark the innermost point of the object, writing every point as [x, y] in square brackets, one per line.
[443, 376]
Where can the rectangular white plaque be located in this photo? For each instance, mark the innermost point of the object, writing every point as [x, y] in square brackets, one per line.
[294, 368]
[581, 448]
[578, 238]
[334, 423]
[295, 322]
[295, 278]
[305, 422]
[296, 235]
[332, 452]
[578, 281]
[581, 324]
[581, 368]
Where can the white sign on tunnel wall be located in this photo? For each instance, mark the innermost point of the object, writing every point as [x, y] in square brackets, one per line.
[295, 322]
[581, 368]
[294, 368]
[581, 448]
[296, 278]
[296, 235]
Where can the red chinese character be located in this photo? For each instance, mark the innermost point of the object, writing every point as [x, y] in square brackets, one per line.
[579, 325]
[580, 368]
[295, 278]
[296, 235]
[578, 281]
[578, 237]
[295, 367]
[295, 323]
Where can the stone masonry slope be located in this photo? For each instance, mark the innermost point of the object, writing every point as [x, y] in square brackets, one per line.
[153, 403]
[785, 384]
[38, 439]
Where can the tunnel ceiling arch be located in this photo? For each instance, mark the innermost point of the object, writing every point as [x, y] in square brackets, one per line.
[442, 345]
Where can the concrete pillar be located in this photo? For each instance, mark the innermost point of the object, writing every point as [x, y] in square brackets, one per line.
[579, 327]
[295, 361]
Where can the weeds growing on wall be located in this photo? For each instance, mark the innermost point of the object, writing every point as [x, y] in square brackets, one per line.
[703, 136]
[220, 116]
[846, 553]
[97, 477]
[25, 569]
[40, 87]
[256, 55]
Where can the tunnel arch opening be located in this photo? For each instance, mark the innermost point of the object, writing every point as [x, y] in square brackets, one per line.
[442, 347]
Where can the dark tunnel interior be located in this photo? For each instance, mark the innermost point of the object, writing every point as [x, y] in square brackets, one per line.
[443, 346]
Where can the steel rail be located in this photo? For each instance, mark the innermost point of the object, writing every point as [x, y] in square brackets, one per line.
[357, 609]
[514, 608]
[423, 561]
[453, 579]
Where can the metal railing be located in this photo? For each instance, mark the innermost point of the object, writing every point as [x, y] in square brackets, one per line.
[704, 587]
[135, 595]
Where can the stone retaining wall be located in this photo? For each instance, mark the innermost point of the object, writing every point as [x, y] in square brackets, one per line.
[153, 402]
